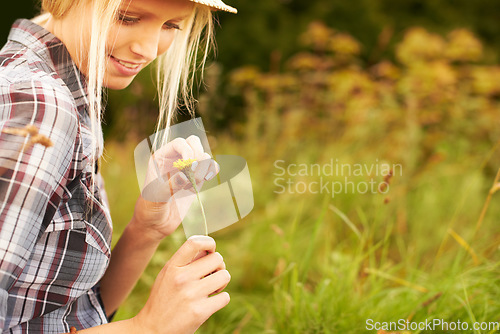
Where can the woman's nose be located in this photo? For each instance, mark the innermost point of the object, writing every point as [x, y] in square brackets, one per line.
[146, 45]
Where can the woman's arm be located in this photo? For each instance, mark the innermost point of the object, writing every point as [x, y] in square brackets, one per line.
[153, 221]
[129, 258]
[31, 173]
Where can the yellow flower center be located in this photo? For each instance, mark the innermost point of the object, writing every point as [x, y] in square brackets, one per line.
[183, 164]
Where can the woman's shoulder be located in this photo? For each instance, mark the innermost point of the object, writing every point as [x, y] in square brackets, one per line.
[29, 88]
[24, 68]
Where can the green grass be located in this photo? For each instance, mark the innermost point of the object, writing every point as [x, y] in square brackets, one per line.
[310, 263]
[323, 263]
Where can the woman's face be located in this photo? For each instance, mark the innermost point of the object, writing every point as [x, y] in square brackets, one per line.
[144, 30]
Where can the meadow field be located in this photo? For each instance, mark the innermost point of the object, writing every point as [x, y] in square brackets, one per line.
[423, 244]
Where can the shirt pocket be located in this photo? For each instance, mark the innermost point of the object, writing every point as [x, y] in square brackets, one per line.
[69, 259]
[82, 242]
[93, 236]
[83, 212]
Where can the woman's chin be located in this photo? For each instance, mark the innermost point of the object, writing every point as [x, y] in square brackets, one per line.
[117, 83]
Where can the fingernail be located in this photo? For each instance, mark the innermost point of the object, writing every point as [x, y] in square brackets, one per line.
[197, 237]
[217, 165]
[209, 176]
[194, 165]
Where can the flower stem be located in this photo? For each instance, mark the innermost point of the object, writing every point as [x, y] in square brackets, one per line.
[201, 205]
[184, 165]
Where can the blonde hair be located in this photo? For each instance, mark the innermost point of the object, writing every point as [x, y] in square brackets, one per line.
[175, 69]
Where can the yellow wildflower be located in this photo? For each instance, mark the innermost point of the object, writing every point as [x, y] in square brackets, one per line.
[183, 164]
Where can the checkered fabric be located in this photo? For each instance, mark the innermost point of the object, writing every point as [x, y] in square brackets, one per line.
[54, 236]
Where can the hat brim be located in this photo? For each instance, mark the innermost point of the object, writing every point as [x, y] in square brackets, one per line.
[217, 5]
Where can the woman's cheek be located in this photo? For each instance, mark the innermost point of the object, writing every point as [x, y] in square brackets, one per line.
[115, 39]
[165, 42]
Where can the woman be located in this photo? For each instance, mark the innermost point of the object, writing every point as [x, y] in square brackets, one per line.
[56, 269]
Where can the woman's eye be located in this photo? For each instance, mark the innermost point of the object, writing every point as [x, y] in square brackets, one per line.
[127, 19]
[169, 26]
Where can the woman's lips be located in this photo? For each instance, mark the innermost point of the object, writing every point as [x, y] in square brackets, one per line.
[126, 68]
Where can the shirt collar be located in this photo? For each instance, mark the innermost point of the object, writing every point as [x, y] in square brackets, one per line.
[53, 52]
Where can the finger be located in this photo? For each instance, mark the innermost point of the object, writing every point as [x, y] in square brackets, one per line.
[178, 181]
[195, 143]
[215, 282]
[212, 171]
[202, 168]
[175, 149]
[219, 290]
[188, 251]
[200, 255]
[153, 171]
[206, 265]
[223, 286]
[215, 303]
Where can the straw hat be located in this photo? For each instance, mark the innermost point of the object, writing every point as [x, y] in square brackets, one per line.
[217, 4]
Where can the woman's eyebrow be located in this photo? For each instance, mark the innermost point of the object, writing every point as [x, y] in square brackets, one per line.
[134, 11]
[179, 18]
[139, 12]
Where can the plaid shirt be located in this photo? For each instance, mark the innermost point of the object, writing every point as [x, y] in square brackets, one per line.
[54, 236]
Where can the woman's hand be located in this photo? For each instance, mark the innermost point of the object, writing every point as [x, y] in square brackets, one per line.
[182, 296]
[168, 194]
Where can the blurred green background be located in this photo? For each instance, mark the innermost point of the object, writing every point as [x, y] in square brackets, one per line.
[414, 83]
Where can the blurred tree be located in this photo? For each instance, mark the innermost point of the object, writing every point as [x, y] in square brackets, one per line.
[265, 33]
[263, 26]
